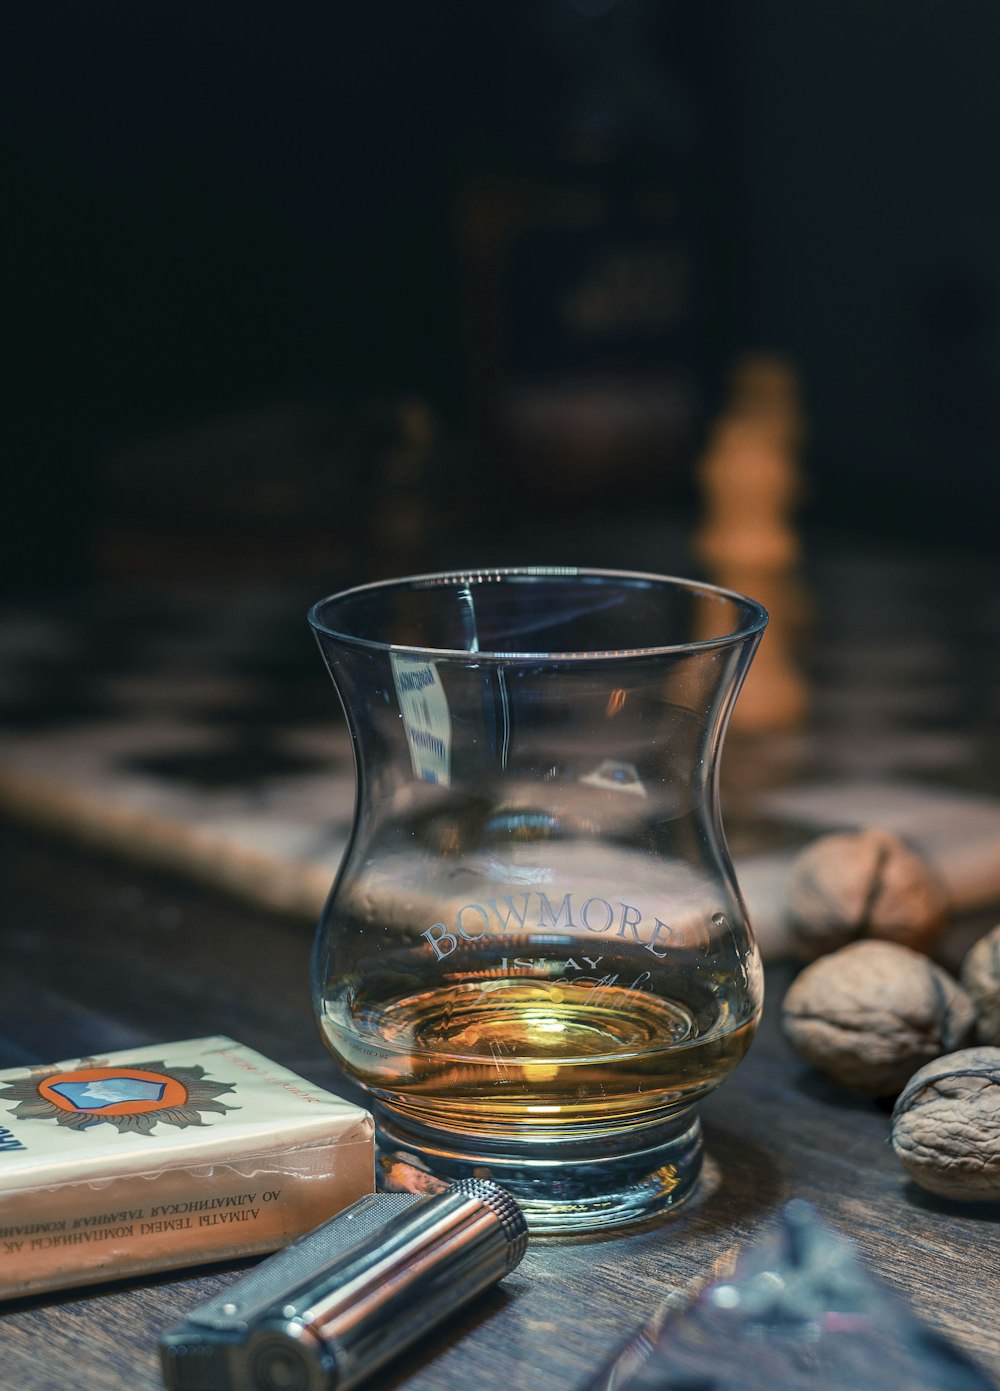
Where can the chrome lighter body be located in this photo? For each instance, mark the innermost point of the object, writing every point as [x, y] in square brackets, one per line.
[324, 1313]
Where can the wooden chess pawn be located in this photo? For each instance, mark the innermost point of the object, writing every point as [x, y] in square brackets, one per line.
[775, 695]
[764, 390]
[751, 485]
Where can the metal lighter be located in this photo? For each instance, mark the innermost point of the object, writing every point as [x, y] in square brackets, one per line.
[338, 1303]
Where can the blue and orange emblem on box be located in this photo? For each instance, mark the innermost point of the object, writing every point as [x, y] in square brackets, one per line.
[133, 1099]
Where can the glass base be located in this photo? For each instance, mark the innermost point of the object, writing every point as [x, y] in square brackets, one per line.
[564, 1188]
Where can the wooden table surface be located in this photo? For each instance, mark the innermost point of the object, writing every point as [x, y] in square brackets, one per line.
[97, 957]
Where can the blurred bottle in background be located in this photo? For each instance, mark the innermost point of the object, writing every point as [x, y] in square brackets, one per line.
[594, 301]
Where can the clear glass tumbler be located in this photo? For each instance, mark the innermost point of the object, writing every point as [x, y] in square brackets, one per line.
[535, 957]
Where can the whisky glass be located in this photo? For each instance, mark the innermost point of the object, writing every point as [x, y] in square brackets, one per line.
[535, 958]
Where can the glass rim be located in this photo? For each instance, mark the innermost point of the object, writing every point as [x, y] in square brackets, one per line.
[756, 614]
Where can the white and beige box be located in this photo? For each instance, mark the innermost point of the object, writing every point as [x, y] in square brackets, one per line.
[166, 1156]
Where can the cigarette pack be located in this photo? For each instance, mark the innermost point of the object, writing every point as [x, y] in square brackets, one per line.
[166, 1156]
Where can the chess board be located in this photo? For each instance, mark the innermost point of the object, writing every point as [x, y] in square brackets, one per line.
[193, 732]
[200, 733]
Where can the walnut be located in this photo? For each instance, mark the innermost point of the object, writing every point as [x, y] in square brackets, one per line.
[862, 884]
[870, 1014]
[981, 978]
[946, 1125]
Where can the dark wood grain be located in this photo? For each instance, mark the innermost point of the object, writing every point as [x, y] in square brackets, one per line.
[96, 956]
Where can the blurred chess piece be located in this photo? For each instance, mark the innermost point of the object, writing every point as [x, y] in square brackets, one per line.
[751, 484]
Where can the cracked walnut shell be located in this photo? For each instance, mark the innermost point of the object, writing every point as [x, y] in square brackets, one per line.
[946, 1126]
[981, 979]
[862, 884]
[872, 1013]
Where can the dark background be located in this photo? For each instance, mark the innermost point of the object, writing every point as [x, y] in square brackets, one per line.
[239, 232]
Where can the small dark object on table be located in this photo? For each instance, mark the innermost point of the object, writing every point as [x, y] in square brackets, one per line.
[800, 1312]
